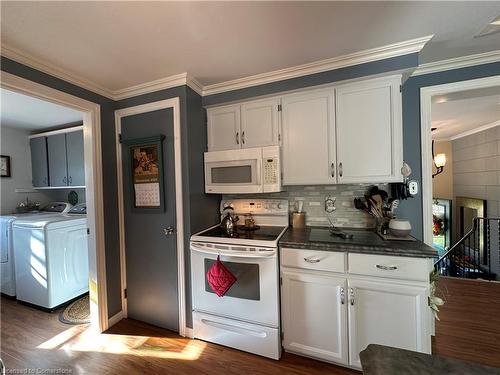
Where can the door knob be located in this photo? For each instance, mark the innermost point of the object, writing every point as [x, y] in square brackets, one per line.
[169, 231]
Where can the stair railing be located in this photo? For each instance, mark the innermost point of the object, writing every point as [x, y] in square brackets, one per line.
[470, 257]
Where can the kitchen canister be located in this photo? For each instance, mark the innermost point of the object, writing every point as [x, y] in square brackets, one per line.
[299, 220]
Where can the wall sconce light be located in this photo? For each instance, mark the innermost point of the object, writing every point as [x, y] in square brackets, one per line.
[439, 161]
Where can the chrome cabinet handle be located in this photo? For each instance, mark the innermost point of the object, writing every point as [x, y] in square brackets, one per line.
[70, 180]
[169, 231]
[386, 268]
[342, 295]
[309, 260]
[65, 179]
[332, 168]
[351, 296]
[243, 138]
[340, 169]
[237, 138]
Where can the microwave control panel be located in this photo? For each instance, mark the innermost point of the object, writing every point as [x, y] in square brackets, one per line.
[271, 169]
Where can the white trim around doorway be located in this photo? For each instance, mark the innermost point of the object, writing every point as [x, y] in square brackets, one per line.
[173, 103]
[93, 181]
[426, 94]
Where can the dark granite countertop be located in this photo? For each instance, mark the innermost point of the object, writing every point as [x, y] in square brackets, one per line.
[364, 241]
[384, 360]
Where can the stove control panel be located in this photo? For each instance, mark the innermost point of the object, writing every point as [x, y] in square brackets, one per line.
[256, 206]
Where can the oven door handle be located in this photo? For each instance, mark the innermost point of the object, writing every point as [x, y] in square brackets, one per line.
[230, 253]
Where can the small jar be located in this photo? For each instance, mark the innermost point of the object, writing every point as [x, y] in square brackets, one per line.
[249, 221]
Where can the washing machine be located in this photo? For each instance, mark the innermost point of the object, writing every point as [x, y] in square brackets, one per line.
[7, 270]
[51, 258]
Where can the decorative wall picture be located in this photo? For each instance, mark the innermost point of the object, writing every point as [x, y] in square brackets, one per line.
[146, 172]
[4, 166]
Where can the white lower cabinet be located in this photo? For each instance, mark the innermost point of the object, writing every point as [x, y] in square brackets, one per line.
[386, 313]
[331, 314]
[314, 315]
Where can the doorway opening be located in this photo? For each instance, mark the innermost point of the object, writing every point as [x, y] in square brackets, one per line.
[461, 176]
[58, 158]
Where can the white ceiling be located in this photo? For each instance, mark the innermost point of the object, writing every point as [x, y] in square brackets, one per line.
[24, 112]
[121, 44]
[457, 113]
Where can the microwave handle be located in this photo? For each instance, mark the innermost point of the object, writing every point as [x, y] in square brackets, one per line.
[230, 253]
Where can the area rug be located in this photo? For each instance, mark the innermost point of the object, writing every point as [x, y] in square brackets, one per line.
[77, 312]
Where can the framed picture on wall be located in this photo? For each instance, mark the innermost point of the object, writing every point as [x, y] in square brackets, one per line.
[145, 164]
[5, 166]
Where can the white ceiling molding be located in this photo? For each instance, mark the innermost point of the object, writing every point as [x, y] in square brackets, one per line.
[46, 67]
[380, 53]
[374, 54]
[152, 86]
[456, 63]
[476, 130]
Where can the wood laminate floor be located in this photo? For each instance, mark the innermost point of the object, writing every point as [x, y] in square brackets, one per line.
[469, 330]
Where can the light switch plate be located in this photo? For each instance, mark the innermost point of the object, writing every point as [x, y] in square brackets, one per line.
[413, 187]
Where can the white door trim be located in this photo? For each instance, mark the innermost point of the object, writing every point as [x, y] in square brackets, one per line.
[93, 182]
[119, 114]
[426, 94]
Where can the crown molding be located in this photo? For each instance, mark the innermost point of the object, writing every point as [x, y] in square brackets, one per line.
[476, 130]
[152, 86]
[53, 70]
[374, 54]
[456, 63]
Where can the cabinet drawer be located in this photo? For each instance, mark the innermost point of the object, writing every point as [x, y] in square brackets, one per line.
[313, 259]
[389, 266]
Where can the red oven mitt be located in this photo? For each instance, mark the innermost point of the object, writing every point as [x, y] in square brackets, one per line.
[220, 278]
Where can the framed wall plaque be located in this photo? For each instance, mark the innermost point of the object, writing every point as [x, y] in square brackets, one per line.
[5, 166]
[145, 164]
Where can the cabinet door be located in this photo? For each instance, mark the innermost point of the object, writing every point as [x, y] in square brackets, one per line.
[75, 156]
[369, 131]
[389, 314]
[309, 138]
[260, 123]
[224, 128]
[314, 315]
[39, 166]
[56, 151]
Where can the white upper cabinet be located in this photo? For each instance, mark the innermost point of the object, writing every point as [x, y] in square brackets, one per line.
[387, 313]
[224, 128]
[252, 124]
[260, 123]
[369, 131]
[309, 138]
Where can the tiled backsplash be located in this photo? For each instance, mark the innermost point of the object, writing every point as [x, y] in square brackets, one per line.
[314, 204]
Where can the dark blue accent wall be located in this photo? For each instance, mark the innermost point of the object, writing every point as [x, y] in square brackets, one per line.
[412, 208]
[404, 62]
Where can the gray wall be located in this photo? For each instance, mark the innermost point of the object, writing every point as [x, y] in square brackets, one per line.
[476, 174]
[412, 208]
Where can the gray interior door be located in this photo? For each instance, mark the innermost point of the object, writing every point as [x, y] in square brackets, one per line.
[151, 255]
[75, 156]
[58, 167]
[39, 166]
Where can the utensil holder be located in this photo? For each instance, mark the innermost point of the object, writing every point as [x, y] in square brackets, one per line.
[299, 220]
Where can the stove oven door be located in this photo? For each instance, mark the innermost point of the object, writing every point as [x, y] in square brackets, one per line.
[254, 295]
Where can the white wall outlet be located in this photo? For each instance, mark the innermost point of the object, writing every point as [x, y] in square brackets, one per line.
[413, 187]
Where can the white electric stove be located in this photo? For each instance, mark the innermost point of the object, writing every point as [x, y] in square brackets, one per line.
[247, 316]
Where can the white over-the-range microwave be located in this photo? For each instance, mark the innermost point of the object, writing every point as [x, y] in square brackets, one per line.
[250, 170]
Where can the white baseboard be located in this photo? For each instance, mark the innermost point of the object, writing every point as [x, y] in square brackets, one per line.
[189, 333]
[115, 319]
